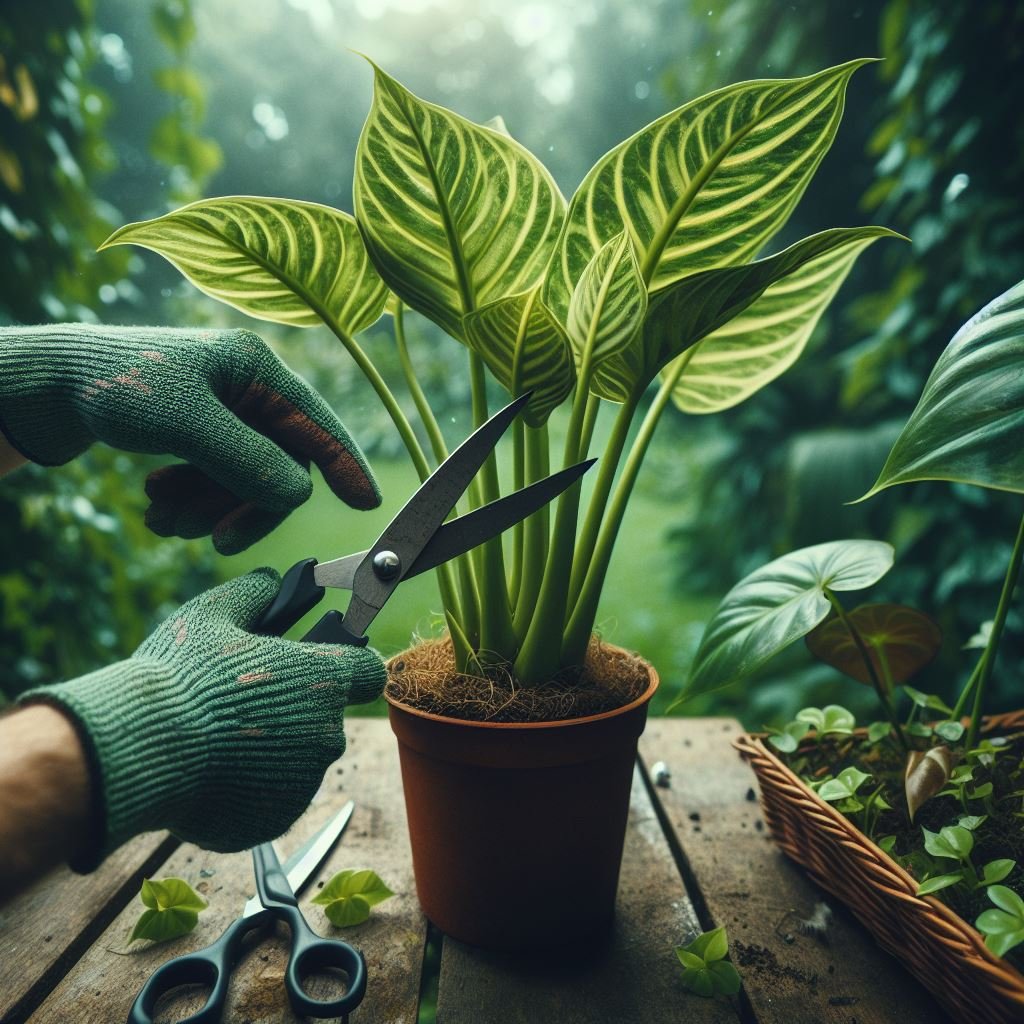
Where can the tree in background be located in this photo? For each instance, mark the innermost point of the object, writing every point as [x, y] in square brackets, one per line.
[79, 587]
[942, 156]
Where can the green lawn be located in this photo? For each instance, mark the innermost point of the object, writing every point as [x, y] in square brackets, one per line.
[640, 610]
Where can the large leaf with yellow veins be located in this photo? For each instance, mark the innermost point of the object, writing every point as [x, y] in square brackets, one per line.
[692, 308]
[282, 260]
[455, 214]
[526, 349]
[705, 185]
[765, 339]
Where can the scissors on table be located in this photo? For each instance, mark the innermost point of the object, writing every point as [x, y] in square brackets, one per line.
[276, 886]
[417, 539]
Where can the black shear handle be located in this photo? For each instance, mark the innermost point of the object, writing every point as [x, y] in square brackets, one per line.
[298, 594]
[310, 953]
[209, 967]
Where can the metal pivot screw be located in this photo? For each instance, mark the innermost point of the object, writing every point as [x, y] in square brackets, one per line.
[387, 565]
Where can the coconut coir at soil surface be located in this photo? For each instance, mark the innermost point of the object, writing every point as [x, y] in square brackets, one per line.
[424, 678]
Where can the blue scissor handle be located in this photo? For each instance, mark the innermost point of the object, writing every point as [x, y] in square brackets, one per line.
[210, 966]
[310, 953]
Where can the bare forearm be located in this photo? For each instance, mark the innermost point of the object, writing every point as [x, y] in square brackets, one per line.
[44, 795]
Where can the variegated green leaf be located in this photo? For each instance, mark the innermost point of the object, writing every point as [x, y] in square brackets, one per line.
[764, 340]
[705, 185]
[455, 215]
[526, 349]
[968, 424]
[692, 308]
[282, 260]
[608, 305]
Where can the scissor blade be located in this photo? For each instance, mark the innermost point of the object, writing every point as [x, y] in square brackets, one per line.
[427, 509]
[301, 865]
[460, 535]
[421, 516]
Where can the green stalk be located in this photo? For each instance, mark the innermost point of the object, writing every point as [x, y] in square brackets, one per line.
[589, 420]
[497, 636]
[535, 531]
[539, 654]
[989, 657]
[466, 607]
[518, 482]
[858, 640]
[584, 614]
[607, 467]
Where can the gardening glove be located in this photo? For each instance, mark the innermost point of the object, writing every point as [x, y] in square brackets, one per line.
[218, 734]
[221, 400]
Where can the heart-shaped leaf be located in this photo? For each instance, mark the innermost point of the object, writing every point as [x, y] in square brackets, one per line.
[953, 842]
[927, 771]
[778, 604]
[968, 422]
[455, 215]
[276, 259]
[844, 786]
[788, 738]
[1003, 928]
[900, 641]
[173, 910]
[609, 302]
[832, 718]
[705, 185]
[349, 895]
[526, 349]
[764, 325]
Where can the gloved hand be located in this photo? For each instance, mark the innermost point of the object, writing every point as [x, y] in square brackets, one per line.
[218, 734]
[221, 400]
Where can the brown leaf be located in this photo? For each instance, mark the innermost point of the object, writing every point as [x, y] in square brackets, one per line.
[927, 772]
[905, 637]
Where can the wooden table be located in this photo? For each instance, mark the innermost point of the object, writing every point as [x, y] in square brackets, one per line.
[697, 855]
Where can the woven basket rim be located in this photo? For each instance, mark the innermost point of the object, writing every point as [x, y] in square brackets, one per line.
[753, 744]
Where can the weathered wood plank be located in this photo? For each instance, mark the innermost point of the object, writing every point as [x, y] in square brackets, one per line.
[45, 929]
[633, 978]
[745, 883]
[103, 985]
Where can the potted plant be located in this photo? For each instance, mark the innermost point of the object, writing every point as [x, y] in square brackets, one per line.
[916, 820]
[517, 728]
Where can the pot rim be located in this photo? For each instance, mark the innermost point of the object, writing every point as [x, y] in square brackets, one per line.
[652, 675]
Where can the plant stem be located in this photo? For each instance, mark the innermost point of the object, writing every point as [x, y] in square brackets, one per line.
[584, 614]
[497, 637]
[589, 420]
[607, 467]
[535, 531]
[883, 697]
[465, 603]
[518, 482]
[989, 656]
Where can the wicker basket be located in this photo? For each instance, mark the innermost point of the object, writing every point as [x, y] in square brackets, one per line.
[940, 949]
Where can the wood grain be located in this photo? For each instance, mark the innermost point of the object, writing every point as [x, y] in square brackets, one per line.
[104, 983]
[746, 884]
[45, 929]
[633, 977]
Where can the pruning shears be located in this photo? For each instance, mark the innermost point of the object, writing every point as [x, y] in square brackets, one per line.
[417, 539]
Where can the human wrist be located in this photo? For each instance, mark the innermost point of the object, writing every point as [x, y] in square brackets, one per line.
[44, 372]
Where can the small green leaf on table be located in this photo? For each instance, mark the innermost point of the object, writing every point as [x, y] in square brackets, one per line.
[173, 909]
[706, 971]
[349, 895]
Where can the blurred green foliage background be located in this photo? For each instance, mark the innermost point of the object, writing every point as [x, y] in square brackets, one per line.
[117, 110]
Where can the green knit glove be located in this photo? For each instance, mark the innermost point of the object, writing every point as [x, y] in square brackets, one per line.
[220, 400]
[218, 734]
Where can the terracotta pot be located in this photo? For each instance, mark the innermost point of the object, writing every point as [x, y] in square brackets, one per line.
[939, 948]
[517, 830]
